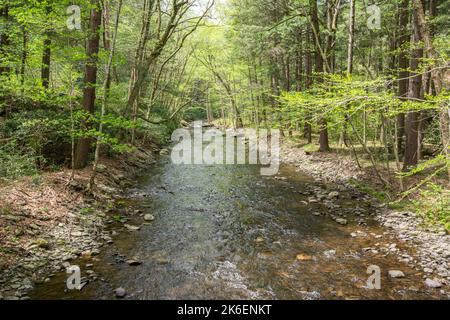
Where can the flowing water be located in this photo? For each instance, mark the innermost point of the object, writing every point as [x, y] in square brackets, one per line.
[226, 232]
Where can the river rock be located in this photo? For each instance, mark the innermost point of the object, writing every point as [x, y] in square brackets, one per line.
[341, 221]
[329, 254]
[396, 274]
[333, 194]
[303, 257]
[433, 283]
[132, 228]
[149, 217]
[86, 254]
[120, 293]
[133, 262]
[164, 152]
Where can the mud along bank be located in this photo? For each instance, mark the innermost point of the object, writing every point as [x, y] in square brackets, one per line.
[48, 221]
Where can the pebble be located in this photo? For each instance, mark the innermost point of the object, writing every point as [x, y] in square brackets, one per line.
[433, 283]
[341, 221]
[164, 152]
[396, 274]
[120, 293]
[303, 257]
[333, 194]
[149, 217]
[133, 262]
[132, 228]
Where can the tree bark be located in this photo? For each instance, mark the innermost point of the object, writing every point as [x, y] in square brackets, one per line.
[106, 83]
[415, 92]
[46, 56]
[308, 81]
[90, 81]
[319, 61]
[403, 73]
[46, 60]
[351, 31]
[436, 75]
[24, 56]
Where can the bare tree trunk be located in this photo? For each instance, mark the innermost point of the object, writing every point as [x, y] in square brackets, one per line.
[351, 31]
[46, 55]
[46, 60]
[403, 68]
[107, 34]
[24, 56]
[436, 75]
[415, 86]
[90, 81]
[299, 62]
[106, 83]
[308, 82]
[323, 139]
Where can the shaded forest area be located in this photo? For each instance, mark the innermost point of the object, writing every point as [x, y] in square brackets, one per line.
[362, 79]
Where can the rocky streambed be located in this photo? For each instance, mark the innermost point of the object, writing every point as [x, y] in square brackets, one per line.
[49, 221]
[431, 243]
[226, 232]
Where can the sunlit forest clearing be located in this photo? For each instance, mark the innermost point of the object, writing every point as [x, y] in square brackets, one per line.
[92, 90]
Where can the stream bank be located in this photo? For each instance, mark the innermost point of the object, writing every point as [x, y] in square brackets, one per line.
[226, 232]
[48, 220]
[432, 243]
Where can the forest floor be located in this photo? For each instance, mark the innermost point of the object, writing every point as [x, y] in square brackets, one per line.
[47, 220]
[431, 241]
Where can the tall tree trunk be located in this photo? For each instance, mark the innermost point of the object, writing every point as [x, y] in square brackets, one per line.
[288, 73]
[436, 75]
[403, 63]
[319, 61]
[351, 31]
[46, 56]
[106, 83]
[46, 60]
[90, 81]
[24, 56]
[299, 62]
[107, 35]
[415, 86]
[308, 81]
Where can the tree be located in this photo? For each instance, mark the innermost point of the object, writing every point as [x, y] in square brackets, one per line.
[90, 82]
[106, 84]
[403, 40]
[320, 59]
[46, 53]
[4, 39]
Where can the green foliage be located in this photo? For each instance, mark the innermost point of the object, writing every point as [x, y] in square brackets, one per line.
[433, 203]
[14, 163]
[370, 190]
